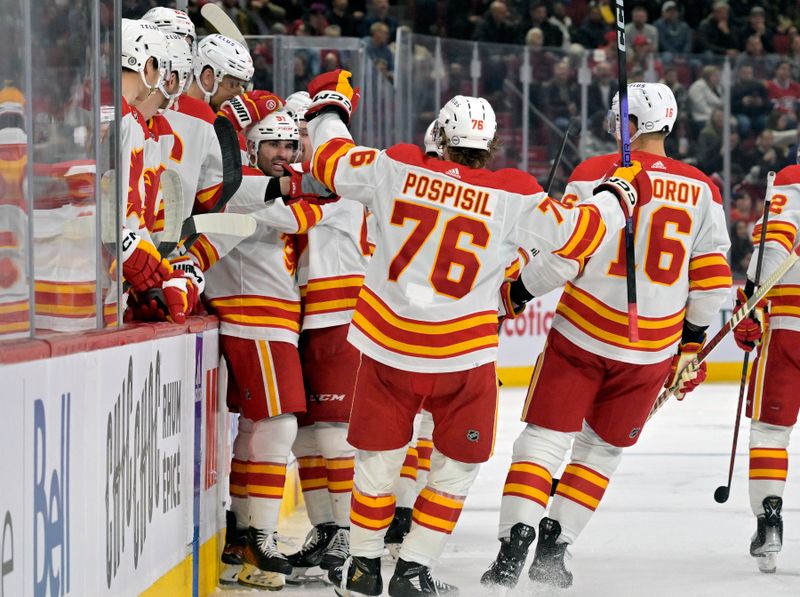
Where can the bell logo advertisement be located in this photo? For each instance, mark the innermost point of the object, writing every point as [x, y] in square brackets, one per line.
[51, 497]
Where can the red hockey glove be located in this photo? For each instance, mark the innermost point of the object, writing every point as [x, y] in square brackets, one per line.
[191, 270]
[142, 264]
[180, 297]
[302, 185]
[631, 186]
[751, 329]
[249, 108]
[684, 375]
[333, 91]
[509, 309]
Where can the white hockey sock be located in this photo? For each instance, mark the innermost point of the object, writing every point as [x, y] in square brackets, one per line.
[373, 501]
[424, 449]
[270, 445]
[769, 462]
[538, 452]
[240, 504]
[313, 478]
[340, 466]
[437, 509]
[405, 488]
[583, 483]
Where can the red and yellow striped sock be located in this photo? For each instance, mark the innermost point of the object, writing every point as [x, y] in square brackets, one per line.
[768, 468]
[312, 471]
[409, 470]
[371, 512]
[768, 464]
[238, 483]
[340, 486]
[424, 451]
[437, 511]
[340, 474]
[266, 479]
[582, 485]
[529, 481]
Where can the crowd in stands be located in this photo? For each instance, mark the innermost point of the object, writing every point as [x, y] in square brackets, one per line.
[682, 44]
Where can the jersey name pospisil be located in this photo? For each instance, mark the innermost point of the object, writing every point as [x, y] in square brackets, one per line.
[457, 196]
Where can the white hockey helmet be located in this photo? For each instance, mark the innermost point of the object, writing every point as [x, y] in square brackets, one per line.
[170, 20]
[180, 56]
[653, 105]
[141, 40]
[225, 57]
[430, 140]
[297, 104]
[467, 121]
[278, 126]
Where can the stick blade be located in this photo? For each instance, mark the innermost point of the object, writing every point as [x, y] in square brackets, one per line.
[220, 21]
[172, 193]
[721, 494]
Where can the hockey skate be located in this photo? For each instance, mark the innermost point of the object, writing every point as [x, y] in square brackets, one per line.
[317, 542]
[414, 580]
[548, 562]
[264, 566]
[357, 576]
[768, 539]
[398, 529]
[338, 549]
[233, 552]
[505, 570]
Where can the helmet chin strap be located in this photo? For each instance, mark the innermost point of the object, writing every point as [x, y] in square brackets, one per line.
[207, 95]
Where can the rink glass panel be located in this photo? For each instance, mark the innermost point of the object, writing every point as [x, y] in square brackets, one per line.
[59, 66]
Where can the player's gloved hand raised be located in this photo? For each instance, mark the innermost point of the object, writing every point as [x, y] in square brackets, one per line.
[333, 91]
[249, 108]
[751, 329]
[631, 185]
[684, 375]
[142, 264]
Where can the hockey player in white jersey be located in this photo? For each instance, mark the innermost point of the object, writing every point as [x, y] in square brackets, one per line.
[772, 400]
[333, 257]
[145, 62]
[590, 383]
[426, 317]
[254, 292]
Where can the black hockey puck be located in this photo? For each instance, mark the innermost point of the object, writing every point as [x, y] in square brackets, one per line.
[721, 494]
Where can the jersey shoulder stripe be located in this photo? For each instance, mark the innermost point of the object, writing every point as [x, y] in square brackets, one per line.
[194, 107]
[159, 125]
[789, 175]
[507, 179]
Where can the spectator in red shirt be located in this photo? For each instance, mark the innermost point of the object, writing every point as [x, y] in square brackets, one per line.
[784, 92]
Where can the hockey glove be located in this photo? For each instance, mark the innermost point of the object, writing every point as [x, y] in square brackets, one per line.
[684, 374]
[302, 185]
[751, 329]
[630, 185]
[192, 271]
[249, 108]
[332, 91]
[142, 264]
[180, 297]
[509, 308]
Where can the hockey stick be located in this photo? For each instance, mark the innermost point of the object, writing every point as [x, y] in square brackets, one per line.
[625, 141]
[239, 225]
[735, 320]
[231, 159]
[217, 19]
[575, 124]
[723, 491]
[172, 195]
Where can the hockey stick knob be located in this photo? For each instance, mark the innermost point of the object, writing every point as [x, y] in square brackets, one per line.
[721, 494]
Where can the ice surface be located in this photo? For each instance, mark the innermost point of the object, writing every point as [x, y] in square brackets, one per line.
[658, 531]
